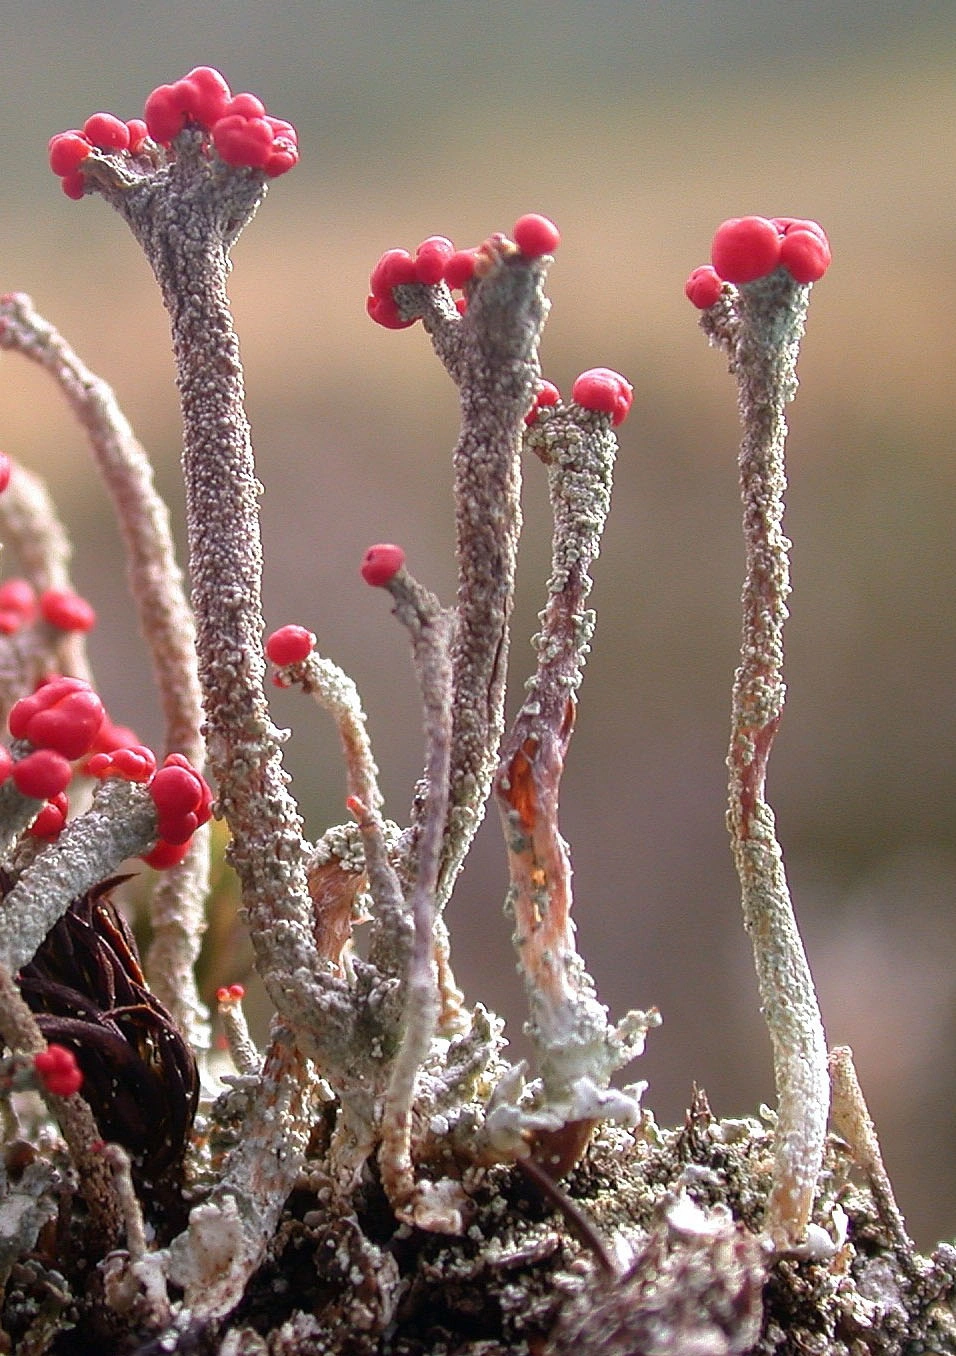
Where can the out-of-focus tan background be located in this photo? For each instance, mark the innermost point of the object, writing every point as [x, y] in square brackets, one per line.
[638, 127]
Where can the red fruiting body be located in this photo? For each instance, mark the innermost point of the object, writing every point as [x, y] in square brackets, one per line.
[51, 818]
[74, 185]
[6, 763]
[381, 563]
[805, 254]
[232, 993]
[165, 855]
[745, 248]
[67, 610]
[547, 394]
[384, 311]
[608, 392]
[242, 140]
[394, 267]
[703, 287]
[284, 131]
[183, 800]
[67, 151]
[64, 714]
[42, 774]
[137, 763]
[787, 224]
[430, 259]
[6, 468]
[106, 132]
[138, 132]
[460, 268]
[536, 235]
[290, 645]
[57, 1071]
[282, 158]
[208, 95]
[165, 111]
[245, 106]
[285, 147]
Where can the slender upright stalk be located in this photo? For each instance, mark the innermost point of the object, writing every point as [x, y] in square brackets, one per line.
[763, 346]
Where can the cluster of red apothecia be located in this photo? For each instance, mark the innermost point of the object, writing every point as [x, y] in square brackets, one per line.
[65, 722]
[240, 130]
[437, 261]
[747, 248]
[57, 1070]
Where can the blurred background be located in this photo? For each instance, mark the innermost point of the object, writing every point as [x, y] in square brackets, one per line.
[638, 127]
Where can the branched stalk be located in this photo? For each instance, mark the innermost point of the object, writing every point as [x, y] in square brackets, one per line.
[762, 341]
[166, 623]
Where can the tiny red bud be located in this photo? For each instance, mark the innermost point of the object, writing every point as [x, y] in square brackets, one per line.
[381, 563]
[703, 287]
[51, 818]
[74, 185]
[393, 268]
[384, 311]
[135, 763]
[182, 798]
[6, 467]
[106, 132]
[290, 645]
[805, 254]
[536, 235]
[547, 394]
[603, 390]
[431, 257]
[67, 610]
[460, 268]
[138, 132]
[57, 1071]
[67, 151]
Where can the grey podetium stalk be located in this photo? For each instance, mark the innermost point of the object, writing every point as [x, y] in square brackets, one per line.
[760, 326]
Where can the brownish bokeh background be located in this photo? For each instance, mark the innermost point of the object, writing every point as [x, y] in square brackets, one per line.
[638, 127]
